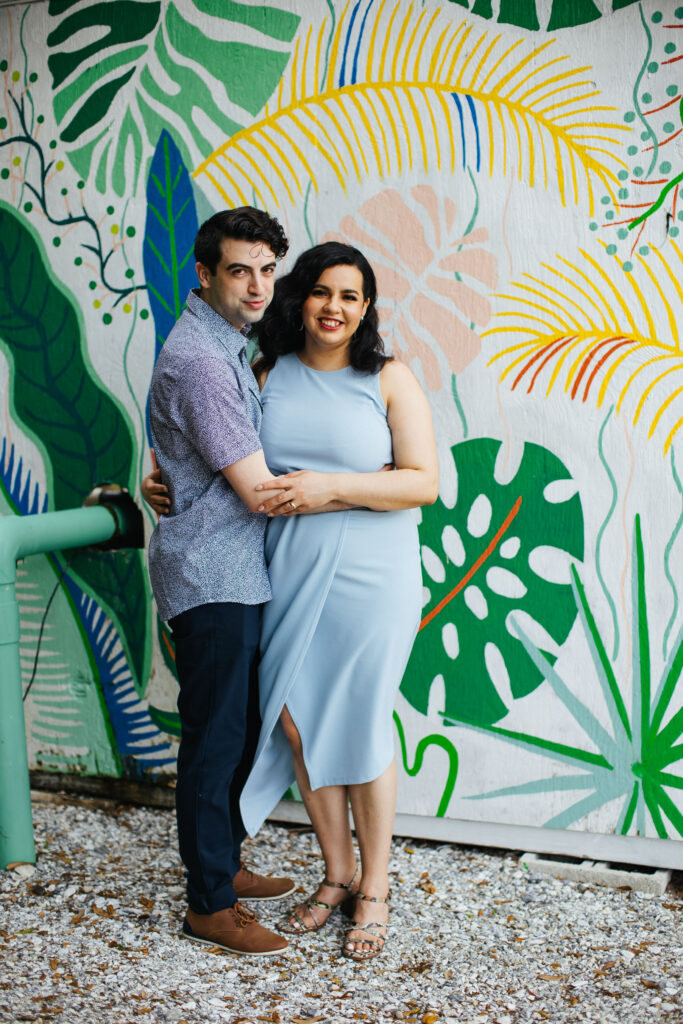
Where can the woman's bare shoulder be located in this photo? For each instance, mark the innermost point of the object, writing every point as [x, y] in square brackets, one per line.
[395, 374]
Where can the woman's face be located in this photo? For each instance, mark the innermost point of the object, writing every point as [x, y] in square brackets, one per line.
[332, 312]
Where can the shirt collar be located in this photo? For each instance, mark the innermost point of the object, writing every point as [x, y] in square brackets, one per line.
[234, 340]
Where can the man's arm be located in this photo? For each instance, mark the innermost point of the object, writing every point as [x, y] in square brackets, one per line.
[245, 474]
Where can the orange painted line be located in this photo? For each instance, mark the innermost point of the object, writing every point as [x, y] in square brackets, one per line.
[672, 60]
[477, 565]
[673, 213]
[600, 363]
[660, 144]
[586, 363]
[642, 228]
[168, 645]
[563, 342]
[538, 355]
[646, 113]
[616, 223]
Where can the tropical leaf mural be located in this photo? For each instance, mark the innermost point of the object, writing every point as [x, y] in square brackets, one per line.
[405, 89]
[170, 230]
[140, 71]
[632, 761]
[139, 743]
[82, 431]
[534, 15]
[433, 270]
[69, 726]
[587, 326]
[84, 709]
[484, 562]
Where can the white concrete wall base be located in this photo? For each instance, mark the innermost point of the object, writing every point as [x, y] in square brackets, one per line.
[656, 853]
[599, 873]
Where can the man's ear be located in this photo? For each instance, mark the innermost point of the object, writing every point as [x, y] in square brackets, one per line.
[203, 273]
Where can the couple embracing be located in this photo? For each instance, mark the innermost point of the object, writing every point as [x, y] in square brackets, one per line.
[286, 562]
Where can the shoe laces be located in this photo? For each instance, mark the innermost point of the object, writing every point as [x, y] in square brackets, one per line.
[243, 915]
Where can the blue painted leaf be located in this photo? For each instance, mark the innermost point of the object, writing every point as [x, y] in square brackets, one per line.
[139, 743]
[16, 484]
[170, 231]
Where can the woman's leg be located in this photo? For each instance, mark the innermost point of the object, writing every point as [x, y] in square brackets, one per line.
[373, 805]
[329, 813]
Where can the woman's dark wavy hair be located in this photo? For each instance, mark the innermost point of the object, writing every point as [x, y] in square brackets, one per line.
[280, 330]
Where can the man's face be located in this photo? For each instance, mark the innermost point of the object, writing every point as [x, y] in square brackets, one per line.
[243, 283]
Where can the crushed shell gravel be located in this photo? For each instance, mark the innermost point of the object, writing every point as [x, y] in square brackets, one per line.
[92, 938]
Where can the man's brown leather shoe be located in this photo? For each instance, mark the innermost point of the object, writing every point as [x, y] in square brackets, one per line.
[234, 929]
[250, 886]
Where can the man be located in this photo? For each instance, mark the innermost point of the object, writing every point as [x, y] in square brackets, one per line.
[207, 565]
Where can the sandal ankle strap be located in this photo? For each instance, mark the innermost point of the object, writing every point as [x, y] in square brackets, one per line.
[372, 899]
[342, 885]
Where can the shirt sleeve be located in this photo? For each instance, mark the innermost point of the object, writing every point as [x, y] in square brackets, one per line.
[211, 411]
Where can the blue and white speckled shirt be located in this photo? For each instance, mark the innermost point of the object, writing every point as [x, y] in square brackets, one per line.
[205, 414]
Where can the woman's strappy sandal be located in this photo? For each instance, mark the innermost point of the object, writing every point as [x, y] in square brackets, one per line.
[375, 939]
[295, 925]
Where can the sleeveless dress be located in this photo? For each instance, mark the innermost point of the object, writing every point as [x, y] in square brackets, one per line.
[346, 586]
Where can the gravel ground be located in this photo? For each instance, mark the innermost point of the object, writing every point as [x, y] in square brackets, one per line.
[92, 938]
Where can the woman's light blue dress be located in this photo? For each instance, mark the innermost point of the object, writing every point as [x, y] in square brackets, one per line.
[337, 633]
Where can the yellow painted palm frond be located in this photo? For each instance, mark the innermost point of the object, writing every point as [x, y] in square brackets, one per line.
[404, 86]
[595, 329]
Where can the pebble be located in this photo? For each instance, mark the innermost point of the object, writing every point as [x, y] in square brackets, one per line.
[473, 938]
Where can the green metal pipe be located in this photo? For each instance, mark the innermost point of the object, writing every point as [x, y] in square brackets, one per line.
[21, 536]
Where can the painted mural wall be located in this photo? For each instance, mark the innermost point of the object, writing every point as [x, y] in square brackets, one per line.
[512, 169]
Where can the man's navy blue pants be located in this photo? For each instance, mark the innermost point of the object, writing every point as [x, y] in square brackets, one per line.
[216, 649]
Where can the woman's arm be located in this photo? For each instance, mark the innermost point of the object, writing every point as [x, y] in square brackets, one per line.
[154, 491]
[414, 481]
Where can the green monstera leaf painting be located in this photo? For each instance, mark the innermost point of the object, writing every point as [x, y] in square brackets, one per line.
[85, 436]
[494, 555]
[145, 66]
[536, 14]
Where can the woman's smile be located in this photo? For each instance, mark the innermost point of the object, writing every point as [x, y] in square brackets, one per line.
[333, 310]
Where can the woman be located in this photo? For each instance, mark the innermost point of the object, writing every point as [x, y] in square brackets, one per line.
[346, 581]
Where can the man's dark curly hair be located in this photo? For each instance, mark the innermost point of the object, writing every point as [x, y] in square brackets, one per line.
[245, 224]
[280, 330]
